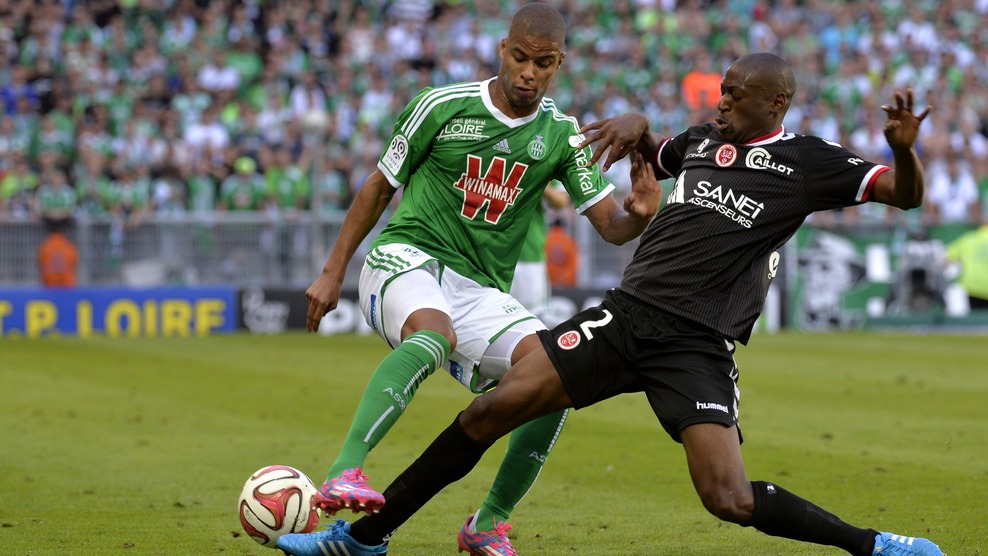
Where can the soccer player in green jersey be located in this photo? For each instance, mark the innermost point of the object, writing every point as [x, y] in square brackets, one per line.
[474, 160]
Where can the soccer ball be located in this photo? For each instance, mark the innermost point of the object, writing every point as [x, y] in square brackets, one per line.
[277, 500]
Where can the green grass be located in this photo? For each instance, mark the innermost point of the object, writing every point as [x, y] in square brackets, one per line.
[141, 446]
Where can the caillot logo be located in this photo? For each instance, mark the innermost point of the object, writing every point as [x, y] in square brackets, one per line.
[760, 159]
[493, 191]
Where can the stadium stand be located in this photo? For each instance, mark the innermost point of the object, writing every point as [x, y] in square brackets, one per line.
[148, 107]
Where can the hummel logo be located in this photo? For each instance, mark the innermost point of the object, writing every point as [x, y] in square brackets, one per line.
[502, 146]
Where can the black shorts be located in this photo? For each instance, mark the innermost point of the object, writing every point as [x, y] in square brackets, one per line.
[686, 371]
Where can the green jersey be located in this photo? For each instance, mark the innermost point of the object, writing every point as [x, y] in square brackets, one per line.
[56, 198]
[474, 177]
[533, 250]
[129, 194]
[240, 192]
[202, 193]
[289, 185]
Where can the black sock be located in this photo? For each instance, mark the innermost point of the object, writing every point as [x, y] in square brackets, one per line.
[448, 459]
[781, 513]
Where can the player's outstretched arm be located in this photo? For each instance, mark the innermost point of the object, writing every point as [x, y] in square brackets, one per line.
[619, 225]
[904, 186]
[619, 136]
[324, 294]
[646, 193]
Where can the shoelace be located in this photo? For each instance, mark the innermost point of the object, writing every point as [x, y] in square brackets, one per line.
[330, 529]
[353, 475]
[337, 527]
[502, 528]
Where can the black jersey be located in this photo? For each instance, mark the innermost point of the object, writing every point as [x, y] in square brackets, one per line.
[712, 251]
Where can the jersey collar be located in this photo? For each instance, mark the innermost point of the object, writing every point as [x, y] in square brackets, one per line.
[766, 139]
[485, 94]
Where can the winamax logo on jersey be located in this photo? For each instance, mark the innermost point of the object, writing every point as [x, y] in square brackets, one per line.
[493, 190]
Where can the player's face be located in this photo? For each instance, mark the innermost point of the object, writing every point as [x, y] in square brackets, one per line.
[746, 110]
[527, 66]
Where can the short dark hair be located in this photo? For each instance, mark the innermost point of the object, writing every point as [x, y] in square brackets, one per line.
[539, 20]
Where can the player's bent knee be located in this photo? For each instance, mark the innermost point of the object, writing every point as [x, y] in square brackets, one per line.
[451, 338]
[483, 421]
[449, 334]
[433, 320]
[725, 504]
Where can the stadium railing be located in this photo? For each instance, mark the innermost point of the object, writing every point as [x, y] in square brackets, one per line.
[240, 249]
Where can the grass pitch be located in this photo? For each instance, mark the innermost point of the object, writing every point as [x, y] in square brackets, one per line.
[125, 447]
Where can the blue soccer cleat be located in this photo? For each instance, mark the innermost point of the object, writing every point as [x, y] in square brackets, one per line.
[890, 544]
[333, 541]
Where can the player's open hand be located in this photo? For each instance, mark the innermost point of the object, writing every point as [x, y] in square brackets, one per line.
[902, 126]
[618, 136]
[323, 295]
[646, 193]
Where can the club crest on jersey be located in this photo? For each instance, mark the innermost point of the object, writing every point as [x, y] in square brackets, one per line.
[726, 155]
[493, 191]
[569, 340]
[536, 148]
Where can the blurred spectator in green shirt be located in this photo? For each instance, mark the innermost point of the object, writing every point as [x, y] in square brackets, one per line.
[244, 189]
[17, 189]
[970, 250]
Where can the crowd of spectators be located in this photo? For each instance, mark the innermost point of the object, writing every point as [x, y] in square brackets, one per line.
[131, 106]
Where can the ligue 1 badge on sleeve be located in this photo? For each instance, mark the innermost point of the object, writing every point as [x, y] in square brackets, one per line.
[575, 140]
[395, 155]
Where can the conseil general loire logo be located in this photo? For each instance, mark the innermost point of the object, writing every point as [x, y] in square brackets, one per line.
[493, 190]
[463, 129]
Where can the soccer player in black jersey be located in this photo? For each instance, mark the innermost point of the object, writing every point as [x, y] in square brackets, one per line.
[694, 287]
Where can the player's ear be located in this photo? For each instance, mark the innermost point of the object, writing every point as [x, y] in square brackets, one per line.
[562, 56]
[779, 103]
